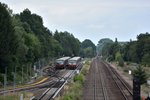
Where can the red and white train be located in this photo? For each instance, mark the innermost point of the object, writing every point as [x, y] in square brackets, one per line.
[74, 62]
[61, 62]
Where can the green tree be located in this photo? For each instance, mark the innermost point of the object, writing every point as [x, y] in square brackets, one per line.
[119, 59]
[57, 48]
[146, 59]
[34, 46]
[68, 42]
[106, 51]
[88, 52]
[130, 53]
[88, 49]
[103, 44]
[33, 23]
[143, 46]
[8, 39]
[22, 49]
[140, 73]
[9, 42]
[114, 48]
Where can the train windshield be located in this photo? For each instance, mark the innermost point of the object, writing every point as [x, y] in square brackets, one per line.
[72, 62]
[60, 62]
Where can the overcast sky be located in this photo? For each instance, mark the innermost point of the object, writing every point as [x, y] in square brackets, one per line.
[91, 19]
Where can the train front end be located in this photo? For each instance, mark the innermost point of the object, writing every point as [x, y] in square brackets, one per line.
[72, 65]
[59, 64]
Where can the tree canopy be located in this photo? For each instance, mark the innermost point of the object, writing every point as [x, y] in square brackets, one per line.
[88, 48]
[24, 41]
[8, 38]
[134, 51]
[140, 73]
[68, 42]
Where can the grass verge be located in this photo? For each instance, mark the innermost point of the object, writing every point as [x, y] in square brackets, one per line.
[16, 96]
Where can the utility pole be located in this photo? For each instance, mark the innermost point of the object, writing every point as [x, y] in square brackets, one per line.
[22, 74]
[27, 72]
[136, 89]
[40, 72]
[31, 70]
[14, 78]
[5, 79]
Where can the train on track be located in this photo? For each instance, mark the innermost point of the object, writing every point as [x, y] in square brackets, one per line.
[73, 62]
[61, 62]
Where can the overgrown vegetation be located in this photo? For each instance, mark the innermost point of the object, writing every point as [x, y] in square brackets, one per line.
[79, 78]
[16, 96]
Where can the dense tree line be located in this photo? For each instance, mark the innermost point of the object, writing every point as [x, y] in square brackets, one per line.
[139, 51]
[134, 51]
[24, 40]
[109, 49]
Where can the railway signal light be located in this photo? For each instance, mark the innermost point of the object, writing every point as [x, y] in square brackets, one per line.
[136, 88]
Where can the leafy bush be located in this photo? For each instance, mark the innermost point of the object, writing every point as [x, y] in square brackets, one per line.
[87, 62]
[67, 97]
[79, 78]
[74, 92]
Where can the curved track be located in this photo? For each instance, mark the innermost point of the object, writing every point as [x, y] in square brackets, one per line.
[48, 80]
[49, 87]
[52, 90]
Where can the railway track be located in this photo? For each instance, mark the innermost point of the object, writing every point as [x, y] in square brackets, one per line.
[49, 92]
[53, 89]
[123, 86]
[46, 81]
[50, 86]
[103, 83]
